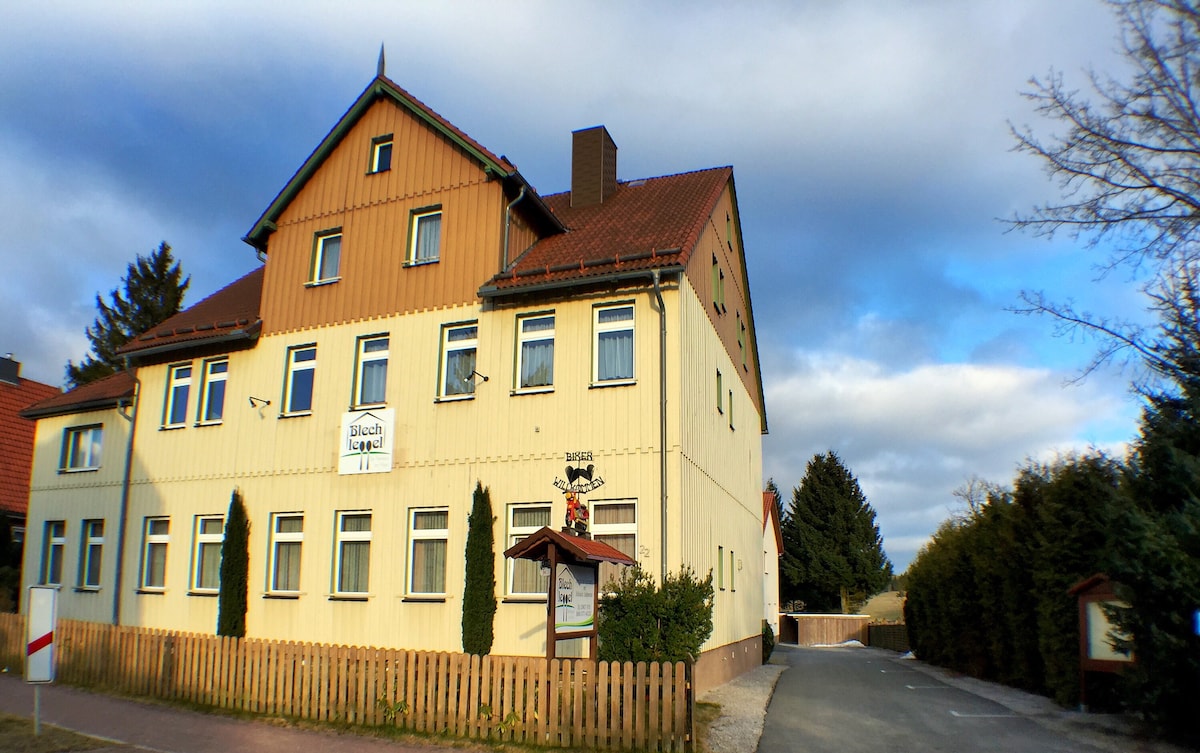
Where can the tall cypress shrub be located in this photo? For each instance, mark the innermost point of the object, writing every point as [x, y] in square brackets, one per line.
[235, 565]
[479, 590]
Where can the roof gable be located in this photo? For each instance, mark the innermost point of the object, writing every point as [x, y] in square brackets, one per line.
[380, 88]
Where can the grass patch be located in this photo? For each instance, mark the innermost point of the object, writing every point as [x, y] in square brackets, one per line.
[16, 736]
[705, 715]
[885, 607]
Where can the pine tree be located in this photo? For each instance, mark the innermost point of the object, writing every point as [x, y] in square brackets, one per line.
[235, 564]
[152, 291]
[479, 590]
[833, 551]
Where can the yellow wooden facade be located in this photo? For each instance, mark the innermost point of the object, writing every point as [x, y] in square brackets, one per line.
[516, 442]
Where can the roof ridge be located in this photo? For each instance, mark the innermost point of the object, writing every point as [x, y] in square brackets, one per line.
[627, 181]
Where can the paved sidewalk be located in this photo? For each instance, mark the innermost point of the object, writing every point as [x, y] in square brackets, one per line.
[164, 729]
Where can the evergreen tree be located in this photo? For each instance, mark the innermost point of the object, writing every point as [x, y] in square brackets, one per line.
[479, 590]
[235, 564]
[152, 291]
[1155, 563]
[833, 551]
[774, 489]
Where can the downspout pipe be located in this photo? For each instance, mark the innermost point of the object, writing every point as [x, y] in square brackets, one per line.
[123, 517]
[662, 421]
[508, 223]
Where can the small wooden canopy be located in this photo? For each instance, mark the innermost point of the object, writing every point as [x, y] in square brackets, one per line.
[536, 546]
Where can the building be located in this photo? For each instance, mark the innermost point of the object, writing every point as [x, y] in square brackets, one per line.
[772, 550]
[16, 443]
[424, 320]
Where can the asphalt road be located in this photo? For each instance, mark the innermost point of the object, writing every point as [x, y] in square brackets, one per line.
[845, 700]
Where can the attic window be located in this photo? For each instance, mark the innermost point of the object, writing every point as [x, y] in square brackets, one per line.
[636, 183]
[381, 153]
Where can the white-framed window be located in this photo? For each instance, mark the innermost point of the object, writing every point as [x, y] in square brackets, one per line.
[91, 549]
[81, 448]
[370, 377]
[459, 343]
[381, 153]
[718, 285]
[428, 535]
[732, 560]
[720, 393]
[525, 577]
[54, 543]
[206, 554]
[212, 392]
[425, 236]
[301, 368]
[155, 538]
[287, 537]
[721, 568]
[535, 352]
[613, 344]
[352, 559]
[327, 256]
[179, 384]
[614, 521]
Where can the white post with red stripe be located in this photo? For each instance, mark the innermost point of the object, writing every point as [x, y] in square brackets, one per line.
[41, 620]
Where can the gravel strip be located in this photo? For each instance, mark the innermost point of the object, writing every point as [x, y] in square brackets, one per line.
[743, 701]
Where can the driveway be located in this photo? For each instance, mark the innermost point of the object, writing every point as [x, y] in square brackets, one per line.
[845, 700]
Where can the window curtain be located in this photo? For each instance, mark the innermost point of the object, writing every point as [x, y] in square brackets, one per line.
[356, 561]
[537, 363]
[209, 575]
[374, 381]
[429, 566]
[429, 233]
[287, 566]
[459, 365]
[615, 356]
[156, 565]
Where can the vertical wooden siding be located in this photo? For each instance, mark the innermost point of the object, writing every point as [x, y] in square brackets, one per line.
[529, 700]
[374, 210]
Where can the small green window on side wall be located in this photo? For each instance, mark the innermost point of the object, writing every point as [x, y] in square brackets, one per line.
[381, 154]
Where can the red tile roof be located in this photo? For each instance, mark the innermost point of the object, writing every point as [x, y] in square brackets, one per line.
[644, 224]
[16, 441]
[229, 313]
[102, 393]
[771, 518]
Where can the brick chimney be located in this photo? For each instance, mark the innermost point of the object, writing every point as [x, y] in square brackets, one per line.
[593, 166]
[10, 370]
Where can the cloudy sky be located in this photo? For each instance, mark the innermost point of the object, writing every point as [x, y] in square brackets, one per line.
[870, 147]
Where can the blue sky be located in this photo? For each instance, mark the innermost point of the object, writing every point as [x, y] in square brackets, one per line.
[869, 142]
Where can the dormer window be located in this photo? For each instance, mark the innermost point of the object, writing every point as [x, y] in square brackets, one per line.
[381, 153]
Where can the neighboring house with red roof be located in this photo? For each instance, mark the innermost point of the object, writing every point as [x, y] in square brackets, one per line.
[772, 550]
[424, 320]
[16, 441]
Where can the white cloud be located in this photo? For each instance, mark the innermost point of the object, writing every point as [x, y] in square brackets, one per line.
[913, 436]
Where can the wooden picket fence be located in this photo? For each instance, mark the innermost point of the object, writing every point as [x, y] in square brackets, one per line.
[563, 702]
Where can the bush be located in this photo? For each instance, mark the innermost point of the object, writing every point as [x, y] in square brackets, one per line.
[639, 621]
[768, 641]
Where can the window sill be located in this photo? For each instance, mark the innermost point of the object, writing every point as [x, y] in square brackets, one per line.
[349, 597]
[87, 589]
[284, 595]
[524, 600]
[172, 427]
[210, 594]
[298, 414]
[319, 283]
[533, 390]
[208, 423]
[612, 383]
[55, 586]
[454, 398]
[420, 263]
[377, 172]
[79, 470]
[425, 599]
[151, 591]
[368, 406]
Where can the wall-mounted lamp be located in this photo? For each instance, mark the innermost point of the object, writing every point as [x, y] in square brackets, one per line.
[258, 402]
[544, 567]
[474, 374]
